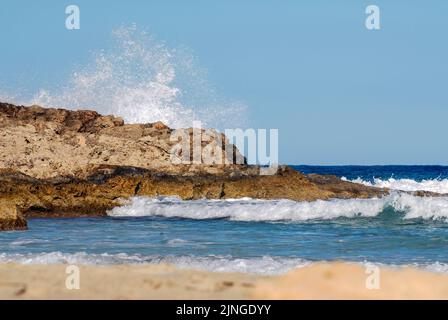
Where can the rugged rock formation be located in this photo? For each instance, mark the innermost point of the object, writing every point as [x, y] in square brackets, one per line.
[56, 162]
[45, 143]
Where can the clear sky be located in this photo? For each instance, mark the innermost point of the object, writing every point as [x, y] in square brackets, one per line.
[337, 92]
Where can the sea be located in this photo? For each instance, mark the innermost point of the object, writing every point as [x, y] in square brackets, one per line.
[257, 236]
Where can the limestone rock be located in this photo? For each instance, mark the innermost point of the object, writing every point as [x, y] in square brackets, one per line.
[10, 217]
[45, 143]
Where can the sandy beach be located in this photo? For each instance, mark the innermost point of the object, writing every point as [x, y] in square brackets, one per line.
[319, 281]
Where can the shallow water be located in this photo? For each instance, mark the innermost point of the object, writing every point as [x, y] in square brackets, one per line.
[245, 235]
[220, 244]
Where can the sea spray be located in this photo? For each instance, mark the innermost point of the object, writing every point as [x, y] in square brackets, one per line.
[142, 80]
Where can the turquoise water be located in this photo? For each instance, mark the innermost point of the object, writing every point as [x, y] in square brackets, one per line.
[251, 235]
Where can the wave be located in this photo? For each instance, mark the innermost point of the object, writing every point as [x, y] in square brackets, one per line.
[246, 209]
[26, 242]
[142, 80]
[256, 265]
[432, 185]
[436, 267]
[266, 265]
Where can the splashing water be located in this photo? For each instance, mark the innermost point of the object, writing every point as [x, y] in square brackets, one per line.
[432, 185]
[404, 206]
[141, 79]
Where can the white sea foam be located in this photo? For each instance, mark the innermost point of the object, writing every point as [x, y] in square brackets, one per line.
[258, 265]
[176, 242]
[267, 265]
[277, 210]
[142, 80]
[74, 258]
[25, 242]
[433, 185]
[437, 267]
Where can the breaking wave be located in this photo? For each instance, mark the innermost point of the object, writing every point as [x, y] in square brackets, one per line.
[433, 185]
[266, 265]
[143, 80]
[247, 209]
[258, 265]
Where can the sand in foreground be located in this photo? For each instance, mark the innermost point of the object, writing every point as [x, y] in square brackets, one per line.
[319, 281]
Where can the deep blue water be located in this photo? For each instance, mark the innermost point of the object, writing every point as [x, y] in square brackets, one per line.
[225, 244]
[417, 173]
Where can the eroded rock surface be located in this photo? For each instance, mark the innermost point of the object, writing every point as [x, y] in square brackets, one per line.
[45, 143]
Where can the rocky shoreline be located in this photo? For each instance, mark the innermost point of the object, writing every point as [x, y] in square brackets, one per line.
[61, 163]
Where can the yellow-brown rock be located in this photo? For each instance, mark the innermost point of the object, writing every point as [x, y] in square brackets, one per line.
[10, 216]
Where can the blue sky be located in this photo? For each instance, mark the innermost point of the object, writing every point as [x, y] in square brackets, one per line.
[337, 92]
